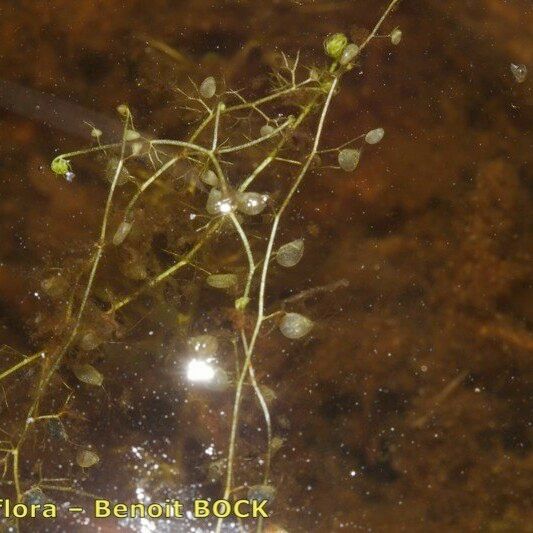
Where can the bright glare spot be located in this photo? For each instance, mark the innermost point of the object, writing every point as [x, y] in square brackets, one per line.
[147, 526]
[200, 371]
[225, 207]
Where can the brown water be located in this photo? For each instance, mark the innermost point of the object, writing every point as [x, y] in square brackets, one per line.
[408, 408]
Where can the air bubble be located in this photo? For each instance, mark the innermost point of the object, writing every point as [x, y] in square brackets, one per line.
[121, 233]
[111, 170]
[349, 159]
[290, 254]
[86, 373]
[35, 496]
[251, 203]
[265, 130]
[396, 36]
[349, 54]
[209, 178]
[87, 458]
[268, 394]
[217, 204]
[208, 88]
[54, 286]
[375, 136]
[519, 72]
[261, 492]
[221, 281]
[57, 429]
[295, 326]
[90, 341]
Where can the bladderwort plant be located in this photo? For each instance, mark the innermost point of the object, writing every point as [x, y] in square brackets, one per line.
[234, 179]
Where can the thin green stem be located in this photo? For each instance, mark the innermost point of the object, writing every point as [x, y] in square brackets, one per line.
[259, 140]
[20, 365]
[261, 301]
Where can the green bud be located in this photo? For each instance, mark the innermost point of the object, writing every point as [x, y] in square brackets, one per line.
[335, 44]
[241, 303]
[123, 110]
[60, 165]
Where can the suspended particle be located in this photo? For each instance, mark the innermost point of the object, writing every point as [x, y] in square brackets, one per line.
[349, 159]
[111, 170]
[122, 232]
[251, 203]
[208, 88]
[295, 326]
[217, 468]
[276, 444]
[86, 373]
[218, 204]
[268, 394]
[349, 54]
[69, 176]
[87, 458]
[284, 422]
[57, 429]
[261, 492]
[35, 496]
[90, 341]
[204, 345]
[291, 253]
[316, 162]
[54, 286]
[266, 130]
[375, 136]
[221, 281]
[396, 36]
[519, 72]
[209, 178]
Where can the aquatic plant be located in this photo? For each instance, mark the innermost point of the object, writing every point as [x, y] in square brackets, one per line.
[225, 192]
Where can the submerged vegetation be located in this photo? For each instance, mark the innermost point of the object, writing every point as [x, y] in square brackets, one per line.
[186, 221]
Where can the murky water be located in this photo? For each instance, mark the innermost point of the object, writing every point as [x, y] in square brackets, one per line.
[407, 406]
